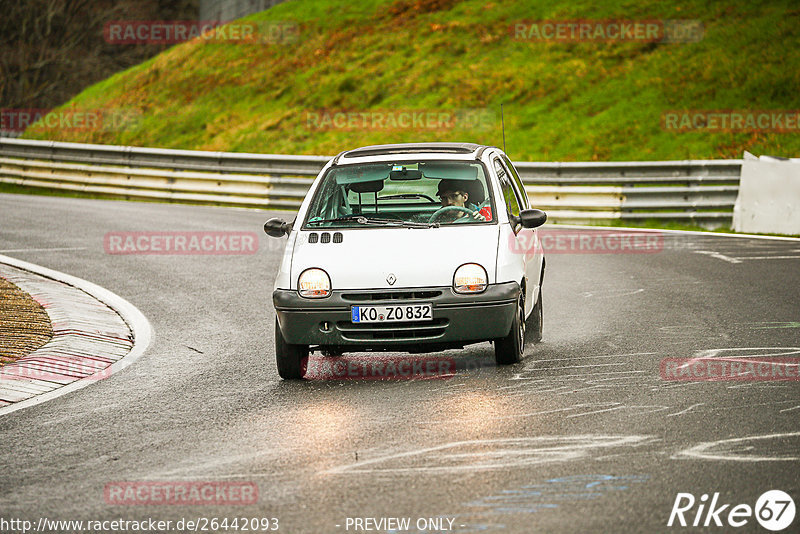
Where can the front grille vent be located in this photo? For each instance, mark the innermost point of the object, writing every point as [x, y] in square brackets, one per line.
[390, 295]
[409, 331]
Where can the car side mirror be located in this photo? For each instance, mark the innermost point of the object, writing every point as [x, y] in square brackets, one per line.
[277, 227]
[532, 218]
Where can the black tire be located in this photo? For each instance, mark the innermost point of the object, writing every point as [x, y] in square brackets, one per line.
[292, 359]
[535, 321]
[509, 349]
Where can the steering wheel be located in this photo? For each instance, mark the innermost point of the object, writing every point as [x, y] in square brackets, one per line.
[449, 209]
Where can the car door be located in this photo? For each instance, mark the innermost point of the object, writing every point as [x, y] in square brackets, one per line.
[524, 241]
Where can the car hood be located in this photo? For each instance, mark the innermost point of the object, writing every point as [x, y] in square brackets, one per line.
[417, 257]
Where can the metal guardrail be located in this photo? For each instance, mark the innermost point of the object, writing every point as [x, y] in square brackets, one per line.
[699, 191]
[226, 10]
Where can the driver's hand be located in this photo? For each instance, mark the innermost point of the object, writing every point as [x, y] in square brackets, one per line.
[478, 216]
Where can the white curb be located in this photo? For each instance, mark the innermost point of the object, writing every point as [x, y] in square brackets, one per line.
[136, 321]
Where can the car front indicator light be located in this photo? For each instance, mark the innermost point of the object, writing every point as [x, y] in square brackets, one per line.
[314, 284]
[470, 278]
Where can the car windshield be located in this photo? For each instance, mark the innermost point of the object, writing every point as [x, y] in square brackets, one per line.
[418, 193]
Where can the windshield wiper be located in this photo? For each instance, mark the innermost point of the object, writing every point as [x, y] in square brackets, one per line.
[410, 224]
[360, 219]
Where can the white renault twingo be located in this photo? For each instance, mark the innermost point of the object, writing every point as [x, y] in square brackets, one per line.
[409, 248]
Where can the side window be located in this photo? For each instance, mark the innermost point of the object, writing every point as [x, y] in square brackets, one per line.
[523, 196]
[510, 196]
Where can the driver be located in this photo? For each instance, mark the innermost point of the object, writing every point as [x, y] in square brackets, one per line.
[452, 193]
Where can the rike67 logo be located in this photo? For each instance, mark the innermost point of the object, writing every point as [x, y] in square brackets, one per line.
[774, 510]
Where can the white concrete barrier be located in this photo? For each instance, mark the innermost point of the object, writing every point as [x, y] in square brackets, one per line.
[769, 196]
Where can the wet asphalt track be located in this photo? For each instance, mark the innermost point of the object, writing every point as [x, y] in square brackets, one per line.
[583, 436]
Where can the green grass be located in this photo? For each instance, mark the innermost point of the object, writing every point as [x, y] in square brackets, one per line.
[562, 101]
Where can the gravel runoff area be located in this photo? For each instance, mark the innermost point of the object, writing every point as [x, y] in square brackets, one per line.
[24, 323]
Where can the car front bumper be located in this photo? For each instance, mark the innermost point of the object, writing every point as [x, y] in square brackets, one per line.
[457, 319]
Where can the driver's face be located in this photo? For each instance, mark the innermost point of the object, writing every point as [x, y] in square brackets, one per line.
[453, 198]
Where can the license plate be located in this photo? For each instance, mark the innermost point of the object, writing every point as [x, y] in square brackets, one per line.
[392, 313]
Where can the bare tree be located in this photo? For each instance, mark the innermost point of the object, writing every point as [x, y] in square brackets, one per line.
[50, 50]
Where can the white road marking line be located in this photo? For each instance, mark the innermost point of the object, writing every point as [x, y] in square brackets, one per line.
[501, 453]
[761, 250]
[789, 409]
[677, 385]
[581, 366]
[537, 390]
[766, 246]
[611, 378]
[578, 358]
[559, 377]
[686, 410]
[521, 415]
[603, 356]
[573, 392]
[774, 324]
[610, 293]
[628, 454]
[596, 411]
[705, 451]
[55, 249]
[768, 257]
[709, 235]
[717, 255]
[759, 385]
[750, 405]
[715, 354]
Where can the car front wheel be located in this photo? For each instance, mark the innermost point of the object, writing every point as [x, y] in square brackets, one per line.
[292, 359]
[509, 349]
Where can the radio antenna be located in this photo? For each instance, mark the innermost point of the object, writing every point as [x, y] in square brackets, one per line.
[503, 122]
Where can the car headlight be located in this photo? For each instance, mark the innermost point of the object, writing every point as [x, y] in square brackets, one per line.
[314, 284]
[470, 278]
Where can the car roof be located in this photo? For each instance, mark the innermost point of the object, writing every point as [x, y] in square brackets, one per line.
[466, 151]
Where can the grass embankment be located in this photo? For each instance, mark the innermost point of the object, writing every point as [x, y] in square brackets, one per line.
[564, 101]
